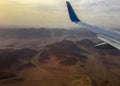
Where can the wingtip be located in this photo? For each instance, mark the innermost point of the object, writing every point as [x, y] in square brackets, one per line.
[66, 0]
[71, 12]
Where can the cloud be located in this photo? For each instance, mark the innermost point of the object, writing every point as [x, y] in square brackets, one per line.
[54, 12]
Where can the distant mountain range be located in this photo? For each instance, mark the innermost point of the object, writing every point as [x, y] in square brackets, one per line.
[42, 32]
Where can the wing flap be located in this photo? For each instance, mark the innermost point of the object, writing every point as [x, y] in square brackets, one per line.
[109, 40]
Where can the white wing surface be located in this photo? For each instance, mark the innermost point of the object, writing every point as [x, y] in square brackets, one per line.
[109, 36]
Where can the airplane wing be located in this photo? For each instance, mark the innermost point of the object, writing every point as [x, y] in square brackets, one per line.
[109, 36]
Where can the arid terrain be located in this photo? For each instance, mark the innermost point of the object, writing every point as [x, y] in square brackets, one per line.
[56, 57]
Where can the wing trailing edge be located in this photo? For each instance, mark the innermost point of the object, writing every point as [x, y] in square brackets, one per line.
[110, 41]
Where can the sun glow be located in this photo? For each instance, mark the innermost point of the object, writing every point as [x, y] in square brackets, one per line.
[54, 12]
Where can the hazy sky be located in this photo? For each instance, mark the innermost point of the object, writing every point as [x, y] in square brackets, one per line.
[53, 13]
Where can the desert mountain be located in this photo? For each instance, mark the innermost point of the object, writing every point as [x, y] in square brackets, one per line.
[66, 51]
[59, 57]
[12, 59]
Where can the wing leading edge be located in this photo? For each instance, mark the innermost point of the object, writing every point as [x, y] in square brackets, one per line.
[109, 36]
